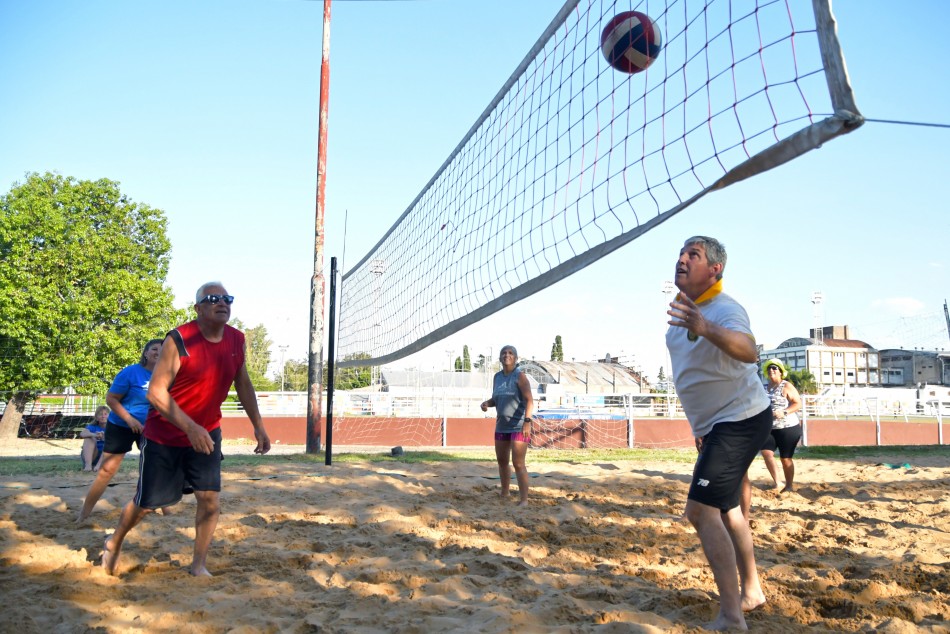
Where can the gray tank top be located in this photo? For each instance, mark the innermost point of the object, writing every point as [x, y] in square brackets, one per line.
[509, 403]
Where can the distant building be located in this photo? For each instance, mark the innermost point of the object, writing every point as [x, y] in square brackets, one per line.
[909, 368]
[559, 379]
[834, 359]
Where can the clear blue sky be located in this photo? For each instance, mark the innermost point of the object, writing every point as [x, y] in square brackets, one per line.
[208, 111]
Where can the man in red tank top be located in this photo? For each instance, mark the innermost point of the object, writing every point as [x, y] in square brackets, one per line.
[182, 450]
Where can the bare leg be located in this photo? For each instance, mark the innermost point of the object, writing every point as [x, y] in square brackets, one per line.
[769, 458]
[109, 465]
[518, 452]
[721, 554]
[502, 455]
[751, 590]
[88, 453]
[206, 520]
[789, 468]
[112, 547]
[745, 497]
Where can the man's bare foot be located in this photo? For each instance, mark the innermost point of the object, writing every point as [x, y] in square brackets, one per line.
[200, 571]
[789, 488]
[522, 502]
[752, 600]
[82, 516]
[110, 558]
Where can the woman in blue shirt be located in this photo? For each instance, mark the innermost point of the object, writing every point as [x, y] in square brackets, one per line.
[129, 405]
[93, 440]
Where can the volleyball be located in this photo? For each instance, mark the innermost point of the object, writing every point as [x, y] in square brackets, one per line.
[631, 42]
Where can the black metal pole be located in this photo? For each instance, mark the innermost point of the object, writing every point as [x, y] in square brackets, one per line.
[331, 361]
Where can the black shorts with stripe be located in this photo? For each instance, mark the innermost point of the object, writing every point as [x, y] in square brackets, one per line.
[727, 451]
[166, 473]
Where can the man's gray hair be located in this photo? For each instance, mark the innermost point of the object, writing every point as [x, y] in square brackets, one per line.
[203, 289]
[715, 251]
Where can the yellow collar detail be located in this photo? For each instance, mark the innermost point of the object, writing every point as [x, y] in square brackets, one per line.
[708, 294]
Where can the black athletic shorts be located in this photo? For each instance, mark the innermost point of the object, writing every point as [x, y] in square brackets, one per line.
[727, 451]
[785, 440]
[120, 439]
[166, 473]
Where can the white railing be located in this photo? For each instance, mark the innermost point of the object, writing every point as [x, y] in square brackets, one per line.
[427, 405]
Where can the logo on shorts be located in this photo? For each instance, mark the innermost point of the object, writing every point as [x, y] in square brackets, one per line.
[703, 483]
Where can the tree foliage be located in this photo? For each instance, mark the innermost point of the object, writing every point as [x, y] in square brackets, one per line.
[353, 378]
[557, 349]
[257, 355]
[803, 380]
[466, 360]
[295, 375]
[81, 285]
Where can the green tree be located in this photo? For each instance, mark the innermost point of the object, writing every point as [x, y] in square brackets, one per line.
[662, 385]
[295, 375]
[257, 356]
[350, 378]
[466, 360]
[557, 349]
[82, 287]
[804, 381]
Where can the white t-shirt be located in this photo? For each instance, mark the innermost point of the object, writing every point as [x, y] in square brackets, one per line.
[712, 386]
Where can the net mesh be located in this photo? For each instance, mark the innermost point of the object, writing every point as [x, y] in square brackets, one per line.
[573, 159]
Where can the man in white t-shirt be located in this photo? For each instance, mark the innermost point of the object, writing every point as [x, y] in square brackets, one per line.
[713, 354]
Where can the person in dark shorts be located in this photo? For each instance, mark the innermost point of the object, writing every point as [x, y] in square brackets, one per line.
[128, 407]
[182, 450]
[786, 426]
[714, 356]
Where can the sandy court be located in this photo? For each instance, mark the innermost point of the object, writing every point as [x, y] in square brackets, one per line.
[384, 547]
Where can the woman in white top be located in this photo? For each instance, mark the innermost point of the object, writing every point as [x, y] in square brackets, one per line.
[786, 426]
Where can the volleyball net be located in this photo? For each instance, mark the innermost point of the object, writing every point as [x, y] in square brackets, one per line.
[573, 159]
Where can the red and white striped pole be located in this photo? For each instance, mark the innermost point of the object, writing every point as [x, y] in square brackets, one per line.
[317, 283]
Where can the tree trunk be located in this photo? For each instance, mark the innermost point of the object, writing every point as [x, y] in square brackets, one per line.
[12, 415]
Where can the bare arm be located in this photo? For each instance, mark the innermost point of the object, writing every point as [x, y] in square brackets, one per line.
[114, 401]
[248, 397]
[161, 399]
[528, 398]
[738, 345]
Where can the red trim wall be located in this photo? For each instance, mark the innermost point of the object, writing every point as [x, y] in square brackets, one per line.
[648, 432]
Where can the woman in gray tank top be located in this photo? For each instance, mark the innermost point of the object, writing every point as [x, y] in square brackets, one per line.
[512, 400]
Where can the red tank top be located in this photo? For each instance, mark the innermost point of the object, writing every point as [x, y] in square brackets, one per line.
[204, 378]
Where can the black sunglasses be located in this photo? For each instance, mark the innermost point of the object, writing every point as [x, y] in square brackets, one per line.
[214, 299]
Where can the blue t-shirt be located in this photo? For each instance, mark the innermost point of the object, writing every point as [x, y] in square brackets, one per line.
[131, 384]
[95, 429]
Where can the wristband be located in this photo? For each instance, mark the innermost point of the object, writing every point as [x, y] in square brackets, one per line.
[528, 419]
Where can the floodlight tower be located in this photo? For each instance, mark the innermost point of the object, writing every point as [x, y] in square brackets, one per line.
[817, 316]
